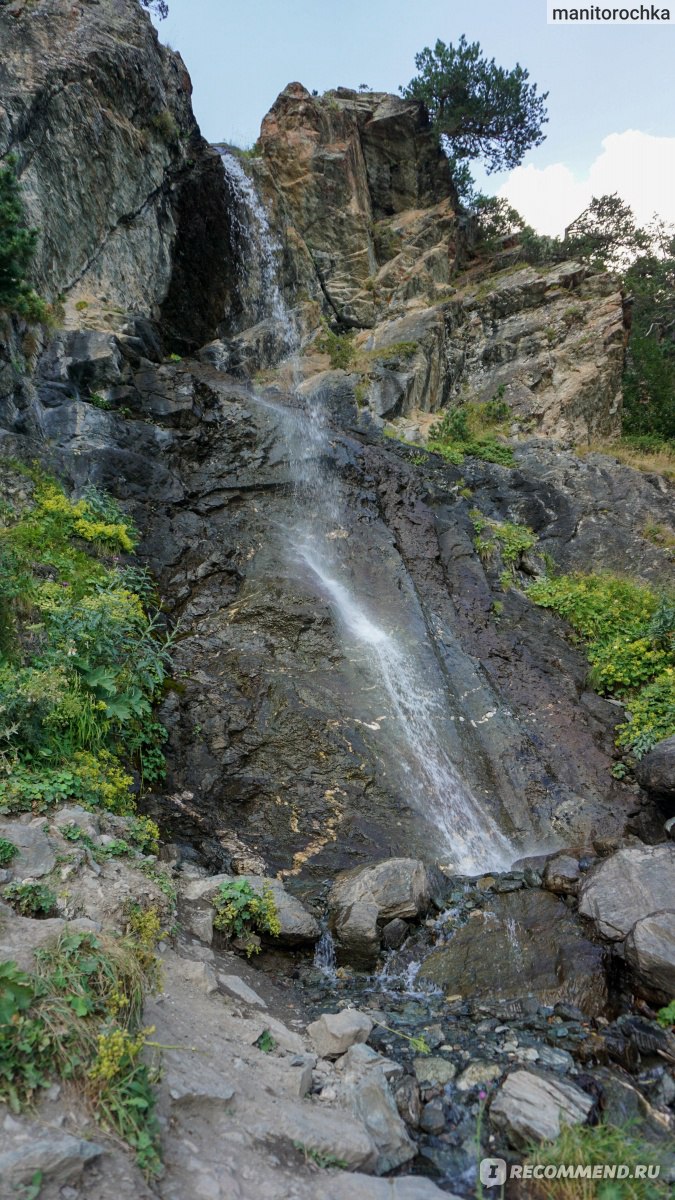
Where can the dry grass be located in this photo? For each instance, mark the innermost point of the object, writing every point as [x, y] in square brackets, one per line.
[658, 462]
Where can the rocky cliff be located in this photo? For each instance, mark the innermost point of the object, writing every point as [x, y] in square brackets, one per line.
[278, 763]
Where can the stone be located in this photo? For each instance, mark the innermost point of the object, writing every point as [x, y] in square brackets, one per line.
[36, 856]
[408, 1103]
[433, 1069]
[433, 1117]
[73, 814]
[298, 927]
[656, 769]
[333, 1033]
[634, 883]
[20, 937]
[478, 1075]
[394, 933]
[506, 948]
[235, 987]
[371, 1100]
[529, 1107]
[360, 1057]
[360, 901]
[650, 951]
[200, 975]
[562, 875]
[58, 1159]
[363, 1187]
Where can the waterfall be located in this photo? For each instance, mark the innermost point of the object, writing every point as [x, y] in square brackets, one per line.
[412, 718]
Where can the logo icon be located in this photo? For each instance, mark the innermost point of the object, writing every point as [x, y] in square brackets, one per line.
[492, 1172]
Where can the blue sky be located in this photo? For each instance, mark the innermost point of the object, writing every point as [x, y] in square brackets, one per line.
[602, 80]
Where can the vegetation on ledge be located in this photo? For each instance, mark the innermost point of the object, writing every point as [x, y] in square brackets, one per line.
[628, 632]
[81, 657]
[471, 431]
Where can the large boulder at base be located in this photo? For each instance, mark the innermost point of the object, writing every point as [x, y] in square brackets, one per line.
[362, 901]
[656, 771]
[298, 927]
[531, 1107]
[650, 950]
[632, 884]
[507, 949]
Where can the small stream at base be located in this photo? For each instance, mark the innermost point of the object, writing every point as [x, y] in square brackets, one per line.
[409, 700]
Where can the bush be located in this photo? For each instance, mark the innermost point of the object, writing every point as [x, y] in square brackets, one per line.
[240, 912]
[468, 431]
[81, 659]
[17, 248]
[339, 347]
[629, 635]
[584, 1146]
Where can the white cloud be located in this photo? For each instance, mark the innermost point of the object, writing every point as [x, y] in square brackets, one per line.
[641, 168]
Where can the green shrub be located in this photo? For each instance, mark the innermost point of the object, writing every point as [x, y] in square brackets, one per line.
[31, 899]
[78, 1019]
[8, 852]
[629, 636]
[240, 912]
[506, 537]
[17, 248]
[339, 347]
[666, 1016]
[468, 431]
[585, 1146]
[81, 658]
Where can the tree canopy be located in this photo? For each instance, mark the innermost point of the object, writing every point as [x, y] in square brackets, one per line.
[479, 109]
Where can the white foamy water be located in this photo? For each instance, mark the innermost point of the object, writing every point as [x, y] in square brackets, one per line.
[407, 682]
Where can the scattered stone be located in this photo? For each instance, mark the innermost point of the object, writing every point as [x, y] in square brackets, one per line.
[432, 1069]
[531, 1107]
[360, 1057]
[633, 883]
[362, 1187]
[562, 875]
[200, 975]
[478, 1074]
[650, 951]
[58, 1158]
[433, 1117]
[333, 1033]
[74, 814]
[235, 987]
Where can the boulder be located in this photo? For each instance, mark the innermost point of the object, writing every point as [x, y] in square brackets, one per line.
[650, 951]
[632, 884]
[434, 1069]
[562, 875]
[36, 855]
[531, 1107]
[362, 901]
[478, 1075]
[58, 1159]
[298, 927]
[368, 1094]
[333, 1033]
[656, 771]
[507, 948]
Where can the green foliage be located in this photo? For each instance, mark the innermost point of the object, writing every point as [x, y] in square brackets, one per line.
[338, 346]
[266, 1042]
[506, 537]
[81, 659]
[629, 636]
[240, 912]
[77, 1018]
[31, 899]
[325, 1161]
[469, 430]
[666, 1016]
[16, 992]
[479, 109]
[17, 248]
[590, 1146]
[8, 852]
[394, 353]
[165, 125]
[649, 378]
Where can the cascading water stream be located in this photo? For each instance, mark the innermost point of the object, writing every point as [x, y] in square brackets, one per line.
[406, 679]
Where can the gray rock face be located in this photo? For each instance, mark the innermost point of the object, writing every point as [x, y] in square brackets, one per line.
[333, 1033]
[650, 950]
[36, 855]
[562, 875]
[509, 949]
[128, 199]
[632, 884]
[531, 1107]
[60, 1159]
[656, 771]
